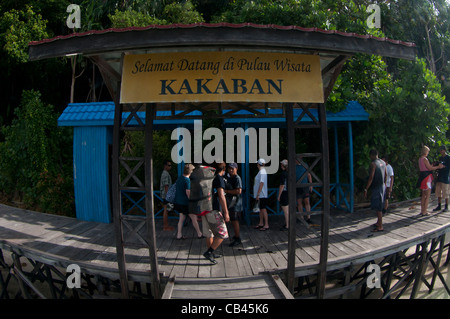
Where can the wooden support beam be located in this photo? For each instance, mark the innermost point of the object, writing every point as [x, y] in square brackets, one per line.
[322, 273]
[292, 180]
[335, 68]
[116, 203]
[149, 201]
[111, 78]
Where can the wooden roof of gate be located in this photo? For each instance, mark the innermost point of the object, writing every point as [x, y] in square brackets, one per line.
[105, 47]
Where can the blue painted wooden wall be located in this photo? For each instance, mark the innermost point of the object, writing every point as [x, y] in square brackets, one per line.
[91, 173]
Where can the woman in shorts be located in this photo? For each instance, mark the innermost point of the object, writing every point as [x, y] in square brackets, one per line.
[425, 179]
[181, 202]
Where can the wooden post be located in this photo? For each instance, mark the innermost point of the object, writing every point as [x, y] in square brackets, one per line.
[150, 112]
[292, 180]
[350, 164]
[322, 273]
[116, 202]
[113, 82]
[337, 187]
[420, 269]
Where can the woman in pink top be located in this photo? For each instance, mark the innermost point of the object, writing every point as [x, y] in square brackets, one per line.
[425, 179]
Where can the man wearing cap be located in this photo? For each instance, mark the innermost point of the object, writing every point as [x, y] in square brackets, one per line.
[233, 195]
[442, 180]
[260, 191]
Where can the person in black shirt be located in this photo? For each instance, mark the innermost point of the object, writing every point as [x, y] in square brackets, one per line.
[376, 183]
[234, 201]
[214, 222]
[442, 180]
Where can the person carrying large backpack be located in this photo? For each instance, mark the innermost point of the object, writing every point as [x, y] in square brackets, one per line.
[214, 222]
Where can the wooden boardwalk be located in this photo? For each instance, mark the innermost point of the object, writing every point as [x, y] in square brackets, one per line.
[61, 241]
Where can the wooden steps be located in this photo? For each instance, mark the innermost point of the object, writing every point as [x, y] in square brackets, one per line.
[264, 286]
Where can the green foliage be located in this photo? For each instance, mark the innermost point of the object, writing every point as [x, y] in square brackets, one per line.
[123, 19]
[55, 193]
[31, 151]
[17, 29]
[280, 12]
[405, 113]
[184, 13]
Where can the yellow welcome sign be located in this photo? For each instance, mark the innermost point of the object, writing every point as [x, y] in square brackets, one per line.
[221, 77]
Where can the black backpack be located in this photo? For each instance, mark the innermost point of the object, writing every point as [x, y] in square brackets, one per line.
[200, 199]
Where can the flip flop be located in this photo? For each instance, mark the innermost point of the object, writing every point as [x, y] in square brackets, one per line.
[263, 229]
[259, 226]
[376, 230]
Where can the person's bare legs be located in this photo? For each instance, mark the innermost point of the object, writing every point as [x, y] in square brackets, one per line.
[425, 200]
[212, 243]
[286, 215]
[379, 224]
[307, 207]
[236, 228]
[265, 219]
[261, 219]
[180, 226]
[195, 224]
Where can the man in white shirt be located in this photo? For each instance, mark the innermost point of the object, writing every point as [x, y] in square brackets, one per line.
[389, 183]
[260, 191]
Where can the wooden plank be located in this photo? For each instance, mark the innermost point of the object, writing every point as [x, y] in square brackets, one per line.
[283, 289]
[261, 287]
[251, 251]
[204, 269]
[167, 294]
[229, 259]
[181, 254]
[194, 259]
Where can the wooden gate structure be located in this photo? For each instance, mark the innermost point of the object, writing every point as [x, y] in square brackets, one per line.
[121, 53]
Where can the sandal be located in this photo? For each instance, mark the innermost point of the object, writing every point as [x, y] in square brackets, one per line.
[259, 226]
[376, 230]
[263, 229]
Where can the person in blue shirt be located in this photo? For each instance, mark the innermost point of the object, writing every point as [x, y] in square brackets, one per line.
[181, 202]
